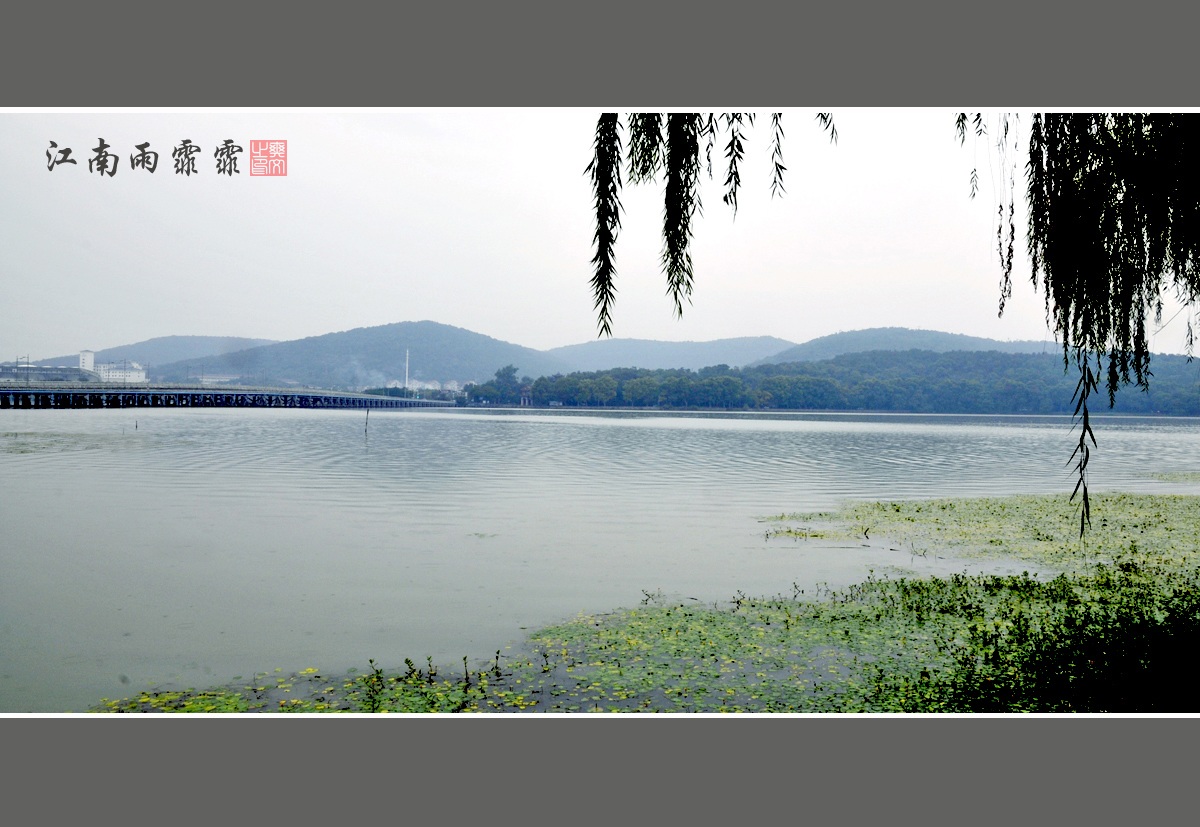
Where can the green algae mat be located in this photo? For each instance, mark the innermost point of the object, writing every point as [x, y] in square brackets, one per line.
[1102, 623]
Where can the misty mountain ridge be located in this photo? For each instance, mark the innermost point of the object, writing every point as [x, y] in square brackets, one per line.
[370, 357]
[438, 353]
[165, 349]
[900, 338]
[605, 354]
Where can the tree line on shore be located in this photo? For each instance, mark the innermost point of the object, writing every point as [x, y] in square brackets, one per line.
[912, 381]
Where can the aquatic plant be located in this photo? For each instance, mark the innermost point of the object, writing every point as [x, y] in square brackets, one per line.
[1100, 627]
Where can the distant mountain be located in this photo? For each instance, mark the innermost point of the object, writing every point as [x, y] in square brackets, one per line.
[899, 338]
[166, 349]
[374, 356]
[371, 357]
[605, 354]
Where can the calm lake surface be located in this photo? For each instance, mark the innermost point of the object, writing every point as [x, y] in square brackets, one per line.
[168, 547]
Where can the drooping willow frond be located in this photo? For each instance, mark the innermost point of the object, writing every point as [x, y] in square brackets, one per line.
[777, 154]
[1007, 151]
[1088, 382]
[669, 144]
[1114, 221]
[682, 201]
[645, 146]
[960, 126]
[734, 152]
[826, 121]
[708, 130]
[605, 170]
[1004, 177]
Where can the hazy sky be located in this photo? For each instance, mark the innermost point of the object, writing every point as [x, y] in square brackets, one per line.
[482, 219]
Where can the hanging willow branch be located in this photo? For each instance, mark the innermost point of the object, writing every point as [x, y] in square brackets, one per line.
[605, 169]
[777, 155]
[645, 146]
[1088, 382]
[1114, 223]
[734, 152]
[682, 201]
[669, 144]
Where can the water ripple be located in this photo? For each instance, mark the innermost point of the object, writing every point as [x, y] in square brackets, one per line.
[327, 536]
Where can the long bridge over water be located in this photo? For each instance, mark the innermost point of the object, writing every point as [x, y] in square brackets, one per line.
[56, 395]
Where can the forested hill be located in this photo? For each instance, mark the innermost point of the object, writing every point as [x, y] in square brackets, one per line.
[370, 356]
[899, 338]
[898, 381]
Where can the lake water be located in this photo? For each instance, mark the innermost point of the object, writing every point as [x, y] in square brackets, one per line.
[167, 547]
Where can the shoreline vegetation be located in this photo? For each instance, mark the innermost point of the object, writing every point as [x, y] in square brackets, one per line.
[1096, 624]
[882, 381]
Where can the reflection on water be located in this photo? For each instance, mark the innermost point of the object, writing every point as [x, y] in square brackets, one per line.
[189, 547]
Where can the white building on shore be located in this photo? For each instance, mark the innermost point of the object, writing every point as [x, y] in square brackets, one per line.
[112, 371]
[121, 372]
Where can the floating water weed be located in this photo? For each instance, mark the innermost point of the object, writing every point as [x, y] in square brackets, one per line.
[1104, 630]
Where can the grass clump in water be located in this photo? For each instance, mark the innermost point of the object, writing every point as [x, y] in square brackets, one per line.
[308, 691]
